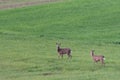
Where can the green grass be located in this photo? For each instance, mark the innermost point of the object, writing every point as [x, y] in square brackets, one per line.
[28, 39]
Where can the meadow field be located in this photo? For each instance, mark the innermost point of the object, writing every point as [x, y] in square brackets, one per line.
[28, 37]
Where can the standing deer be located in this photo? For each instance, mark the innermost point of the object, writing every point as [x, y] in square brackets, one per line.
[62, 51]
[97, 58]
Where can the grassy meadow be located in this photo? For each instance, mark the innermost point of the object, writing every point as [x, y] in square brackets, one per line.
[28, 39]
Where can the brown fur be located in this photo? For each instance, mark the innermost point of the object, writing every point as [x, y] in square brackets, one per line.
[63, 51]
[97, 58]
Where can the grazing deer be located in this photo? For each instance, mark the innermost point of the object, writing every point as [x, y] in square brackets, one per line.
[62, 51]
[97, 58]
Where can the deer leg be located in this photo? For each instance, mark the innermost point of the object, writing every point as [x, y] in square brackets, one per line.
[59, 56]
[62, 56]
[102, 62]
[69, 56]
[95, 61]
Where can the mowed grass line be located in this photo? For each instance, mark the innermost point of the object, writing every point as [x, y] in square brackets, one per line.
[28, 39]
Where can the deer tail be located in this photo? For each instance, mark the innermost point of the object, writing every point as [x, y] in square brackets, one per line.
[103, 57]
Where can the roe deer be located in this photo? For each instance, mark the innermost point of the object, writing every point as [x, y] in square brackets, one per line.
[97, 58]
[62, 51]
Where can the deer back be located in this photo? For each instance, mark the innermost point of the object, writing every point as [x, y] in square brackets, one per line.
[64, 50]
